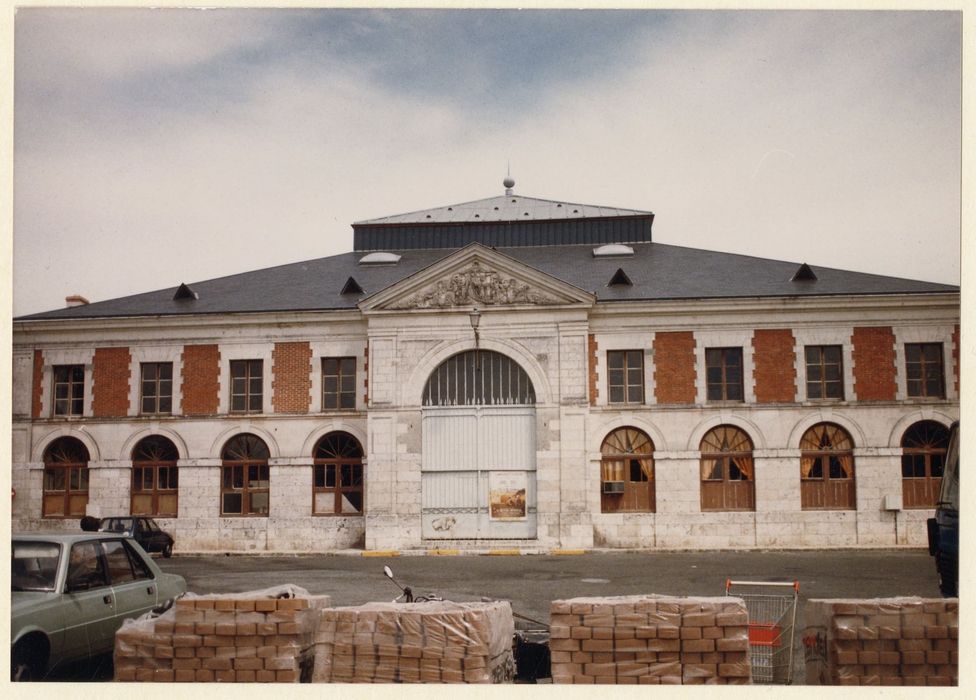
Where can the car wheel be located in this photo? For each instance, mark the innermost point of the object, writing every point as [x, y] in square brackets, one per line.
[26, 662]
[168, 550]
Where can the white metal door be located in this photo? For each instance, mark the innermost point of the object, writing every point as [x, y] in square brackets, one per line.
[478, 472]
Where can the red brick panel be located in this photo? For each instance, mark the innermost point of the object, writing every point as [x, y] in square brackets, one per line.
[110, 382]
[955, 357]
[292, 382]
[366, 375]
[201, 379]
[774, 359]
[37, 387]
[674, 367]
[874, 363]
[592, 348]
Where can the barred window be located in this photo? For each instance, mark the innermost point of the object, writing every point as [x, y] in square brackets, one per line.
[157, 387]
[625, 376]
[478, 378]
[827, 469]
[825, 372]
[155, 478]
[723, 374]
[627, 472]
[338, 383]
[65, 479]
[245, 486]
[246, 386]
[924, 369]
[337, 476]
[69, 390]
[727, 472]
[924, 447]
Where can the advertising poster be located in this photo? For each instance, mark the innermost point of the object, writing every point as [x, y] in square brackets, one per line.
[506, 495]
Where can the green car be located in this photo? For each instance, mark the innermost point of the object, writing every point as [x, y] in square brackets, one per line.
[70, 592]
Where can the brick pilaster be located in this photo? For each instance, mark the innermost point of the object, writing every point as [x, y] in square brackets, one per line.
[37, 385]
[591, 345]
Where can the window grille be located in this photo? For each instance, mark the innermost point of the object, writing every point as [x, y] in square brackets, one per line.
[479, 378]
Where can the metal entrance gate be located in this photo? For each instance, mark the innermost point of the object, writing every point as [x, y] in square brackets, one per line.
[478, 472]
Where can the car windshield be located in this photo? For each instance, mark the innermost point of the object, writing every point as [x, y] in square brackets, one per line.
[116, 525]
[34, 565]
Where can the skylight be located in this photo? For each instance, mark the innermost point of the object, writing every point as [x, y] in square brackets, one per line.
[613, 250]
[380, 258]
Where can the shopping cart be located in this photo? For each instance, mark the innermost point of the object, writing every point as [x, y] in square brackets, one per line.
[772, 617]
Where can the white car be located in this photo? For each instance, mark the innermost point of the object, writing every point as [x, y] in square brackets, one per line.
[70, 592]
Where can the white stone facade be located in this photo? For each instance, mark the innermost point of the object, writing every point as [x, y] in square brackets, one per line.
[550, 342]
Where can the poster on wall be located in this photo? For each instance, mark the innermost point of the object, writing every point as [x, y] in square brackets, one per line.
[506, 495]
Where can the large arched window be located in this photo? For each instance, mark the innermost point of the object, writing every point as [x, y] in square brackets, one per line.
[924, 447]
[337, 476]
[627, 472]
[827, 468]
[478, 378]
[65, 479]
[245, 482]
[727, 472]
[155, 483]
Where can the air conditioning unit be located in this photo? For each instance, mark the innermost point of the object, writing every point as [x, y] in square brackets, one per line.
[613, 487]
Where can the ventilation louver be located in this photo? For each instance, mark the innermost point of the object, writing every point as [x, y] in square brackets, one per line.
[620, 279]
[803, 274]
[183, 292]
[351, 287]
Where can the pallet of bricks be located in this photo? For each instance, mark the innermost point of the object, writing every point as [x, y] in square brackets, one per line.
[260, 636]
[883, 641]
[438, 642]
[650, 640]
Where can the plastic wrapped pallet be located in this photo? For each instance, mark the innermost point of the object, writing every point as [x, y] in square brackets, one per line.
[440, 642]
[649, 640]
[882, 641]
[258, 636]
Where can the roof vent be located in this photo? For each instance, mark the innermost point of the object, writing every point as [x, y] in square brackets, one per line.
[803, 274]
[184, 292]
[620, 279]
[75, 300]
[351, 287]
[380, 258]
[613, 250]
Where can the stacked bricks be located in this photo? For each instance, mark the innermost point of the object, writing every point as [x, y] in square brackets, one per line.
[650, 640]
[674, 367]
[110, 382]
[439, 642]
[874, 363]
[889, 641]
[243, 638]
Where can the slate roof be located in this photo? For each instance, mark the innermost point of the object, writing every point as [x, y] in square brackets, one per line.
[658, 272]
[507, 207]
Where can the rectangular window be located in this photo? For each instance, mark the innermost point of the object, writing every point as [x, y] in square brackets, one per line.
[825, 372]
[723, 374]
[338, 383]
[65, 491]
[625, 376]
[155, 489]
[157, 387]
[246, 386]
[69, 390]
[245, 489]
[924, 369]
[337, 489]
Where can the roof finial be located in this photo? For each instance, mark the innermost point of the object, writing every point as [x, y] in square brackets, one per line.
[508, 181]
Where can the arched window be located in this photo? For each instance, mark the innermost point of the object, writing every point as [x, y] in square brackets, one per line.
[924, 447]
[65, 479]
[627, 472]
[827, 468]
[727, 473]
[478, 378]
[337, 476]
[155, 482]
[245, 482]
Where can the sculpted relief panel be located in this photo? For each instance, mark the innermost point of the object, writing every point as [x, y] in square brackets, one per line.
[475, 285]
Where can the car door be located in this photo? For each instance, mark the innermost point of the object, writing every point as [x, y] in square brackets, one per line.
[156, 538]
[89, 602]
[135, 588]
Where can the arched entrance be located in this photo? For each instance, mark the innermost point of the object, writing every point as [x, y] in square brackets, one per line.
[478, 470]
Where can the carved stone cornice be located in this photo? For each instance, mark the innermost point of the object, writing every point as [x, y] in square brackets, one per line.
[475, 284]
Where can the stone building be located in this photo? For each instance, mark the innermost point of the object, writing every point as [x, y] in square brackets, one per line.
[509, 372]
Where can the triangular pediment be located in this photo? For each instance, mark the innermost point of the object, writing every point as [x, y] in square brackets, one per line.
[477, 276]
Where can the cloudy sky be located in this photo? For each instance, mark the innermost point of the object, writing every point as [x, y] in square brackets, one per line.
[154, 147]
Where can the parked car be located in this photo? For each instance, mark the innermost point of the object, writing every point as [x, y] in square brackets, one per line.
[70, 592]
[144, 530]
